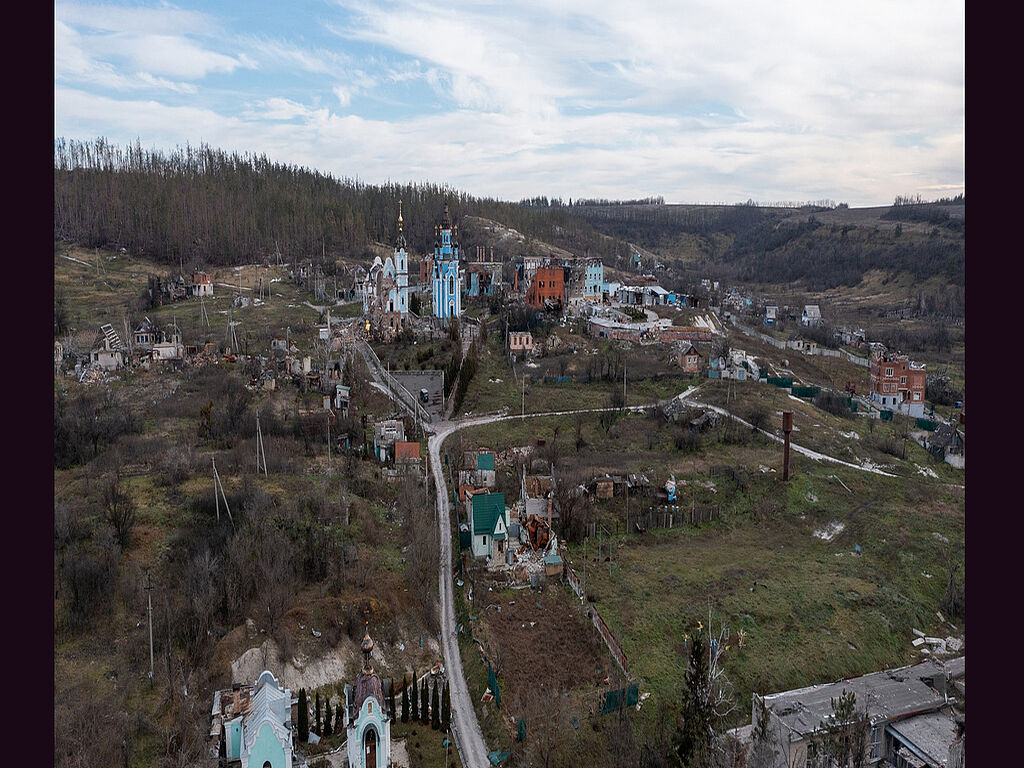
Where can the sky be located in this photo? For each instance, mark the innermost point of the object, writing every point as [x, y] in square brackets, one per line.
[697, 102]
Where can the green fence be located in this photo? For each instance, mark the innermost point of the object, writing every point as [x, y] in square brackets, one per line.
[806, 391]
[886, 415]
[926, 424]
[783, 381]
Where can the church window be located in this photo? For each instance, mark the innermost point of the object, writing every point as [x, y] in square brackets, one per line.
[369, 707]
[451, 284]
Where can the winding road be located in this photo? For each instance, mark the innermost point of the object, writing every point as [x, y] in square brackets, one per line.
[465, 726]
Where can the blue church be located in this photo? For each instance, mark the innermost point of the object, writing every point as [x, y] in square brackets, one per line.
[447, 282]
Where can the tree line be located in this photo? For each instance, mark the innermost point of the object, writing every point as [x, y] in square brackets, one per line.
[205, 206]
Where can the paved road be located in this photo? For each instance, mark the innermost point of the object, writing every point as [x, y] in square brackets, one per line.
[465, 727]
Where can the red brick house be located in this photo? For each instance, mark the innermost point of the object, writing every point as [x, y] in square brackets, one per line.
[688, 357]
[547, 288]
[897, 383]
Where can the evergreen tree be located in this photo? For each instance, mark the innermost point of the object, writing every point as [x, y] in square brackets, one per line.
[435, 708]
[415, 699]
[405, 704]
[842, 739]
[446, 708]
[327, 719]
[391, 699]
[694, 746]
[339, 719]
[425, 702]
[303, 724]
[319, 730]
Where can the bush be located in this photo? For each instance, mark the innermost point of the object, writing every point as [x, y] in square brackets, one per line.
[832, 402]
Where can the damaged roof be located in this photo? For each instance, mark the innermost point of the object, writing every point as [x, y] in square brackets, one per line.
[886, 695]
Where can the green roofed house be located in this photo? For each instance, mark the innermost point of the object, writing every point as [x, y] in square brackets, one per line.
[488, 522]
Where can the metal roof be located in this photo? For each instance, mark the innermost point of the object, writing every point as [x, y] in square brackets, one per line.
[487, 508]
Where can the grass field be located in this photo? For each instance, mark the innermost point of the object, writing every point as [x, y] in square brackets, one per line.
[811, 609]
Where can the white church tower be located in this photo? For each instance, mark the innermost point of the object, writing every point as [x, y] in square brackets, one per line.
[401, 269]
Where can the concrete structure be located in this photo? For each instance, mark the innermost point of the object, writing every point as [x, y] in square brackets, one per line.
[446, 279]
[367, 720]
[593, 280]
[897, 384]
[488, 524]
[895, 701]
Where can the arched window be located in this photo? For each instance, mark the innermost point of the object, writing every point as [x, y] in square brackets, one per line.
[267, 764]
[451, 283]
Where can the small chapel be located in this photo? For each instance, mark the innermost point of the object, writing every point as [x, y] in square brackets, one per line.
[368, 720]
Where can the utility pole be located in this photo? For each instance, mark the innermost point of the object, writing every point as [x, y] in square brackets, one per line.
[259, 446]
[623, 383]
[149, 598]
[524, 394]
[218, 485]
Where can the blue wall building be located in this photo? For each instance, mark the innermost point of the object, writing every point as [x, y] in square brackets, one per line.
[446, 281]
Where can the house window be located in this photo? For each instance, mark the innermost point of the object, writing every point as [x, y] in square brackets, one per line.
[917, 395]
[888, 371]
[485, 541]
[903, 379]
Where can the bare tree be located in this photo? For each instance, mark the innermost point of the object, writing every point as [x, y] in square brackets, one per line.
[118, 508]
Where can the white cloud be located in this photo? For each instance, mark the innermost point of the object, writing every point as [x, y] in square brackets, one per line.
[695, 100]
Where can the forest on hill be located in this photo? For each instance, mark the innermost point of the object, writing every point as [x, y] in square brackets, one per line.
[201, 205]
[754, 244]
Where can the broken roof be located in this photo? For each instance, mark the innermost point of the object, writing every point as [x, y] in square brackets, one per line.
[930, 734]
[886, 695]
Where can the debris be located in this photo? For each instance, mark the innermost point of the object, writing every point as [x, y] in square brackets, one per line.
[811, 497]
[940, 537]
[317, 634]
[954, 644]
[918, 642]
[830, 531]
[941, 617]
[926, 575]
[917, 632]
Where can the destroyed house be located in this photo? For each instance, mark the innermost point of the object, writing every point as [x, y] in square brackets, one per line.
[107, 350]
[385, 434]
[895, 701]
[946, 443]
[488, 522]
[477, 469]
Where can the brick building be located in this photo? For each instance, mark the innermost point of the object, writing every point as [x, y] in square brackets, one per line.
[897, 383]
[547, 289]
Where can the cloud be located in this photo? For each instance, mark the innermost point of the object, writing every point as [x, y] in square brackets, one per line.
[695, 101]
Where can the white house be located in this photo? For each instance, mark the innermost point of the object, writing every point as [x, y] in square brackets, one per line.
[488, 524]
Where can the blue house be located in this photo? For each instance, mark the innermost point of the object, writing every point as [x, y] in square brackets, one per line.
[447, 282]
